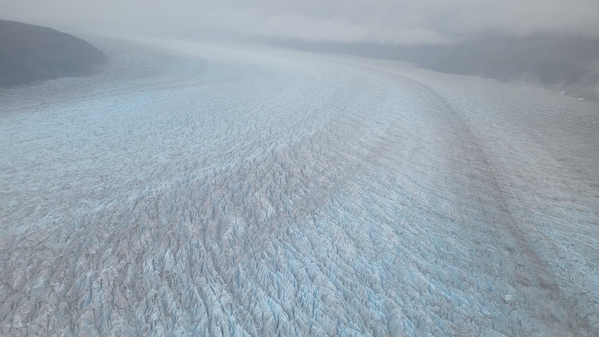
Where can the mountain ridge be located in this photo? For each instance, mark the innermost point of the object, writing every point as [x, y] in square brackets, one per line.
[569, 64]
[30, 53]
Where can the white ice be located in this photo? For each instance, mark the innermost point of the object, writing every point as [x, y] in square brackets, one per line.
[206, 188]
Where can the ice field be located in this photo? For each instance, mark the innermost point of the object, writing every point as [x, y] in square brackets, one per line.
[204, 188]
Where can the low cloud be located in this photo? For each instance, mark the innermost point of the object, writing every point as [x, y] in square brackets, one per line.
[353, 21]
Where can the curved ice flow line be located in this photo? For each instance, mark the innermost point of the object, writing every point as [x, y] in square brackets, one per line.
[563, 94]
[256, 192]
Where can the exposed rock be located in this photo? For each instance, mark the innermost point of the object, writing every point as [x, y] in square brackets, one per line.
[31, 53]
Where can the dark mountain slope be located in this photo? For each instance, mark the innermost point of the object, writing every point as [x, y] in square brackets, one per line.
[29, 53]
[562, 63]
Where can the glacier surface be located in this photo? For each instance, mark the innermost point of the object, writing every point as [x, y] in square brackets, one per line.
[197, 187]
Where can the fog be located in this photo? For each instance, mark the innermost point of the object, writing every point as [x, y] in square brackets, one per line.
[197, 186]
[469, 37]
[355, 21]
[200, 188]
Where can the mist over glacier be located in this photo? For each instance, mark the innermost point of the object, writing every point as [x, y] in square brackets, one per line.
[208, 188]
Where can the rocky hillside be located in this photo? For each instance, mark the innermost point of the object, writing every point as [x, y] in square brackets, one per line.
[31, 53]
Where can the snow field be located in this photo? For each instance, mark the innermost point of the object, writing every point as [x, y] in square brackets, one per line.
[196, 188]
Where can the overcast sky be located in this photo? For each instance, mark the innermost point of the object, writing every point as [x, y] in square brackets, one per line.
[380, 21]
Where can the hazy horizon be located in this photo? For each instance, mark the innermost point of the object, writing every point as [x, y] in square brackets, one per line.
[383, 22]
[157, 181]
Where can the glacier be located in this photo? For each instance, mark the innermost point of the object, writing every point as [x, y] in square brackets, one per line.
[209, 188]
